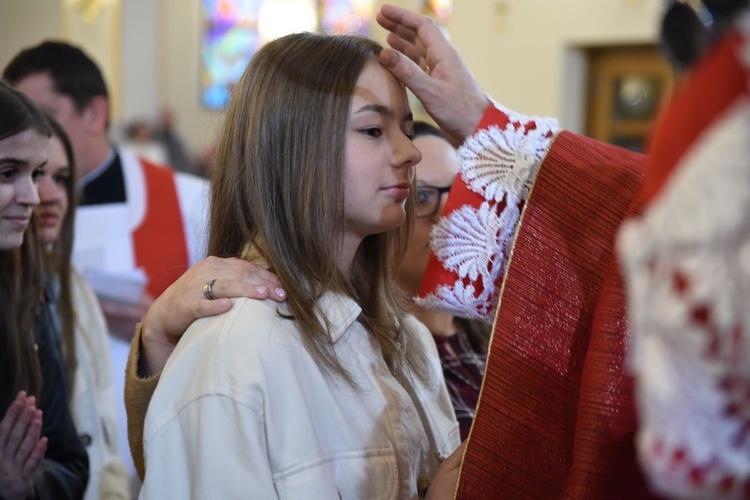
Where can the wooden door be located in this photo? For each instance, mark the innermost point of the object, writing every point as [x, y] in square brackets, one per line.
[626, 87]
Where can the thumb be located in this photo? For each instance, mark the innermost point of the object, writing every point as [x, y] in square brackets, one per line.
[405, 70]
[388, 58]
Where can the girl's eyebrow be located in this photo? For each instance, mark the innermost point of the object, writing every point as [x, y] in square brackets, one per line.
[20, 162]
[376, 108]
[382, 110]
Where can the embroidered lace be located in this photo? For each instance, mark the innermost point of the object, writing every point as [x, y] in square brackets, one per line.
[473, 242]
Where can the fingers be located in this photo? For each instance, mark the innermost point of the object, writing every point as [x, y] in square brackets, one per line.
[410, 32]
[454, 460]
[11, 417]
[397, 19]
[251, 286]
[404, 68]
[446, 478]
[35, 458]
[20, 429]
[21, 449]
[30, 438]
[233, 278]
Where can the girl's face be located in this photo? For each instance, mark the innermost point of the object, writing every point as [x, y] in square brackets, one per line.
[22, 160]
[380, 156]
[53, 195]
[438, 168]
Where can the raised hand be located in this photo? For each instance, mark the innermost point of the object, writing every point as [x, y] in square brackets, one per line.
[21, 447]
[433, 70]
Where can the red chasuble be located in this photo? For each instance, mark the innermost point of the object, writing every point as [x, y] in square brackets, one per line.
[555, 417]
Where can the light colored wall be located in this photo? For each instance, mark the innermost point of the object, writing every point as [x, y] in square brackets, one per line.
[528, 58]
[24, 23]
[525, 53]
[179, 52]
[140, 65]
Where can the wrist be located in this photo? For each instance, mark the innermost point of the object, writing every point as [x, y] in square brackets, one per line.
[153, 350]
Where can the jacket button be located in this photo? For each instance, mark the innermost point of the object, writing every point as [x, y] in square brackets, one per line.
[85, 439]
[422, 484]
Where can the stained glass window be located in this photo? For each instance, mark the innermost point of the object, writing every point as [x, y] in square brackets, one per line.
[439, 10]
[235, 29]
[230, 38]
[346, 16]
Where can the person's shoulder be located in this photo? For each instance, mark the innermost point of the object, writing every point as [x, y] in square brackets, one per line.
[228, 354]
[249, 332]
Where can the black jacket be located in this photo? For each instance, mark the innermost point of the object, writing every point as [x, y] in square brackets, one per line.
[65, 470]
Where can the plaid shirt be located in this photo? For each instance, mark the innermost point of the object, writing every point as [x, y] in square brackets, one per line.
[463, 368]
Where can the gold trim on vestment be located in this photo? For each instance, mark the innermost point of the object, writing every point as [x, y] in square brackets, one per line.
[500, 301]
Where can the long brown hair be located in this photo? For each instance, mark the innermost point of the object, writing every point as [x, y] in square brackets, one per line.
[278, 187]
[21, 271]
[59, 260]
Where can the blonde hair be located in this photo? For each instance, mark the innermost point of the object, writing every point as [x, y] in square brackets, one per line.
[278, 186]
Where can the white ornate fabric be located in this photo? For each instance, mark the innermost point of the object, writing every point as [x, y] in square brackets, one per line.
[687, 268]
[473, 239]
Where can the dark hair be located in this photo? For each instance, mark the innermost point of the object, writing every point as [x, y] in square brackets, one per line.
[21, 288]
[686, 33]
[21, 271]
[59, 259]
[73, 73]
[286, 123]
[425, 128]
[18, 114]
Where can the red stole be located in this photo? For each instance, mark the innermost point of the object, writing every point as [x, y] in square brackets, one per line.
[555, 417]
[159, 242]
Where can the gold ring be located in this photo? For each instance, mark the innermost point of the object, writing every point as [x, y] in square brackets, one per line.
[208, 290]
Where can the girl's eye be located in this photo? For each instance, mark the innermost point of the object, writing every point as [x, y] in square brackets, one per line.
[37, 174]
[425, 196]
[373, 132]
[60, 179]
[7, 174]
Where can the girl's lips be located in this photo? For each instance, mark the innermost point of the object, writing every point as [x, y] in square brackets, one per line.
[48, 219]
[400, 192]
[20, 222]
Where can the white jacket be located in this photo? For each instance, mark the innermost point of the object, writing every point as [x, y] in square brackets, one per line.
[243, 411]
[93, 402]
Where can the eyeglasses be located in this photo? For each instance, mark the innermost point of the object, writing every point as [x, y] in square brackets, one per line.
[428, 199]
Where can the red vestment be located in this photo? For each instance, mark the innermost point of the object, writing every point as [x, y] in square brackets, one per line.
[555, 417]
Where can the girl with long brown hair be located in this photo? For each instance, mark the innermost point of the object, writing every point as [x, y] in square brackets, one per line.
[338, 391]
[41, 455]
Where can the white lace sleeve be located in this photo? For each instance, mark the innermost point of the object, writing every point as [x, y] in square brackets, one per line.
[687, 264]
[499, 163]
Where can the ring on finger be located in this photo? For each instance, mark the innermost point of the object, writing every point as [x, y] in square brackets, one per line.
[208, 290]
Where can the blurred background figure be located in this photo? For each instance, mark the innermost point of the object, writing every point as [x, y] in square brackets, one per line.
[141, 141]
[166, 134]
[158, 142]
[461, 343]
[82, 328]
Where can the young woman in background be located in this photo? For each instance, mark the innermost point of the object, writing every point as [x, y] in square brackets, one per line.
[40, 453]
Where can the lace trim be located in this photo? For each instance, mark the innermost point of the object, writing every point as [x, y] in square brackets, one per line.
[500, 164]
